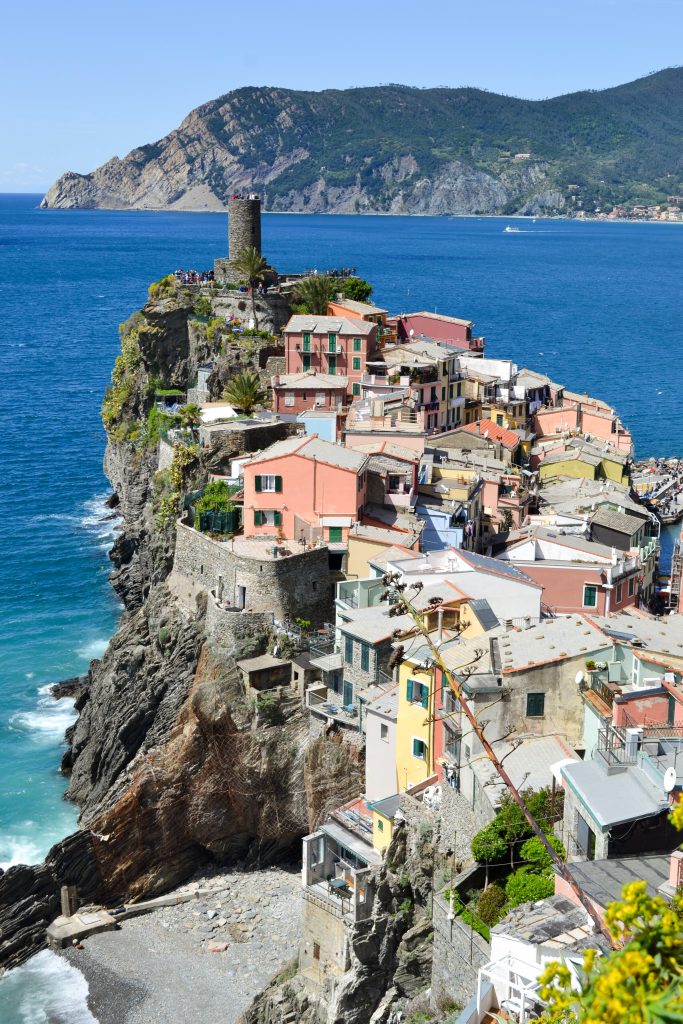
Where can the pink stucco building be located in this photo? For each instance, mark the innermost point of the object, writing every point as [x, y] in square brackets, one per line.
[304, 489]
[331, 345]
[577, 575]
[297, 392]
[450, 330]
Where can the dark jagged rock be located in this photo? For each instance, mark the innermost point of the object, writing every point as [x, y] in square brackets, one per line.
[29, 896]
[68, 687]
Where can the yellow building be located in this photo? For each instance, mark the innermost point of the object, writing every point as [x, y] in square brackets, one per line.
[415, 721]
[383, 812]
[582, 464]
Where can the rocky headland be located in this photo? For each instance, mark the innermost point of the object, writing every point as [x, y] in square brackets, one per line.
[171, 768]
[399, 150]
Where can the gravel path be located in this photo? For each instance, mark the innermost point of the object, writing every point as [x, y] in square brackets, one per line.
[160, 967]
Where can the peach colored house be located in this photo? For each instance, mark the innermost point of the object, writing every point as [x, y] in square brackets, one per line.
[357, 311]
[549, 422]
[332, 345]
[304, 489]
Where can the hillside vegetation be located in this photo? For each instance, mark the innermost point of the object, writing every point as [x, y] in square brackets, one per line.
[396, 149]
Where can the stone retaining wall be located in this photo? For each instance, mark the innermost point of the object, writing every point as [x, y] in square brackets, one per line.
[296, 585]
[458, 954]
[242, 634]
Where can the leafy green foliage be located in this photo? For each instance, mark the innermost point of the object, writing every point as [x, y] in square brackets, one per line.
[202, 306]
[491, 903]
[117, 415]
[251, 263]
[525, 885]
[161, 289]
[268, 708]
[355, 288]
[489, 844]
[312, 294]
[217, 497]
[244, 391]
[536, 854]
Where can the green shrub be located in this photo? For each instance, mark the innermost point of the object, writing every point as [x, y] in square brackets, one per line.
[356, 288]
[202, 306]
[268, 707]
[406, 906]
[536, 854]
[490, 904]
[213, 328]
[217, 497]
[164, 637]
[525, 885]
[160, 289]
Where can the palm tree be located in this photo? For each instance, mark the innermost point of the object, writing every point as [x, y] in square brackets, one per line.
[315, 292]
[245, 392]
[190, 416]
[251, 263]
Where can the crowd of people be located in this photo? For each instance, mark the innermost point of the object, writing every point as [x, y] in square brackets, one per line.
[194, 276]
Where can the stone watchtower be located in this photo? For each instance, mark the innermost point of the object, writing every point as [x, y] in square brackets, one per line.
[244, 224]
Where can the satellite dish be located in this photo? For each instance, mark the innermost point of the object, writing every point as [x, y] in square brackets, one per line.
[579, 677]
[669, 779]
[411, 332]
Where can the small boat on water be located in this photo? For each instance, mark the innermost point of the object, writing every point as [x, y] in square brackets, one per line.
[508, 230]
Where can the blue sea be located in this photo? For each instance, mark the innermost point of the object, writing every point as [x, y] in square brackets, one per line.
[596, 306]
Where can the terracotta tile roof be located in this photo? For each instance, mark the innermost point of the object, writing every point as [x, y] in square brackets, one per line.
[508, 438]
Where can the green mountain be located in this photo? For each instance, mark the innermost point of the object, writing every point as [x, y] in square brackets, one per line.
[397, 149]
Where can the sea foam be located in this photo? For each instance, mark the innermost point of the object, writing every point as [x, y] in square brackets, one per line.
[45, 990]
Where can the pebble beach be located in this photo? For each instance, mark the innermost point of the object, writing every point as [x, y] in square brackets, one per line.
[200, 961]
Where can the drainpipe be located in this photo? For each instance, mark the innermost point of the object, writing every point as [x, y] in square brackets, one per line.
[440, 628]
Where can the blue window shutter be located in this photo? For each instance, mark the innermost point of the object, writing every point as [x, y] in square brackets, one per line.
[424, 692]
[278, 484]
[418, 748]
[257, 483]
[409, 690]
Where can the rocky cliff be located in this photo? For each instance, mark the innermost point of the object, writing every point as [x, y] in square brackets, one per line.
[395, 149]
[169, 763]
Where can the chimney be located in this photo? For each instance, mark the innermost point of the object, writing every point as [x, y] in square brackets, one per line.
[676, 870]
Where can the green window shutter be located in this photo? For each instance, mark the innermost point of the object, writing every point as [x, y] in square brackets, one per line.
[258, 518]
[356, 389]
[365, 658]
[418, 749]
[278, 484]
[356, 362]
[335, 534]
[332, 340]
[307, 342]
[424, 694]
[257, 483]
[306, 362]
[535, 705]
[277, 518]
[409, 691]
[348, 650]
[356, 345]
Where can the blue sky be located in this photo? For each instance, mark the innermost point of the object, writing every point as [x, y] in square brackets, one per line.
[82, 82]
